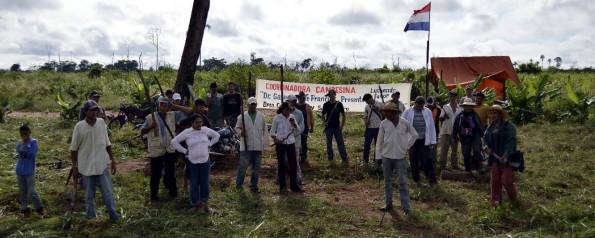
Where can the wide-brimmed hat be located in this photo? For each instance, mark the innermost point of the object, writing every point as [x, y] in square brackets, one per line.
[302, 95]
[468, 102]
[391, 106]
[500, 110]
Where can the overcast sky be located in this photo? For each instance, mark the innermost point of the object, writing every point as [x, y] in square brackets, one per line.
[367, 33]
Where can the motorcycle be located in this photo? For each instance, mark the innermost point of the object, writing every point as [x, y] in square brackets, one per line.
[228, 144]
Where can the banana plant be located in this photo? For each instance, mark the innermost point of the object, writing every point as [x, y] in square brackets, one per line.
[581, 104]
[526, 101]
[68, 111]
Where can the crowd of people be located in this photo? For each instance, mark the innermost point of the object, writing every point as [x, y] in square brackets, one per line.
[176, 132]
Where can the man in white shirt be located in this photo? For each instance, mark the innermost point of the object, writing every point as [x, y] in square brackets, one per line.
[90, 151]
[283, 132]
[372, 118]
[254, 136]
[447, 117]
[421, 156]
[395, 136]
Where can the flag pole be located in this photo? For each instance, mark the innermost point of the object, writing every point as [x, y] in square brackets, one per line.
[428, 55]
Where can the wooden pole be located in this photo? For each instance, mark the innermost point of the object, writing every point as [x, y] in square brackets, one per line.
[282, 75]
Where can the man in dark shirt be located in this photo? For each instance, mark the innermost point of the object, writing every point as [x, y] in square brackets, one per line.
[331, 111]
[232, 103]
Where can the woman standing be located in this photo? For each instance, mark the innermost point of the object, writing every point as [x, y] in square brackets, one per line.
[199, 139]
[500, 139]
[283, 131]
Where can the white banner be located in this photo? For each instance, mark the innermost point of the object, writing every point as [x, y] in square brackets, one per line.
[268, 93]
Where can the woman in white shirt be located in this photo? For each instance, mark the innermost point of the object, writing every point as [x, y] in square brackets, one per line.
[199, 139]
[283, 131]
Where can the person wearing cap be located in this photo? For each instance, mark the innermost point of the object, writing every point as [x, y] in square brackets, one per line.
[447, 118]
[306, 110]
[481, 109]
[232, 105]
[95, 97]
[467, 129]
[91, 152]
[256, 138]
[395, 136]
[422, 151]
[501, 141]
[283, 132]
[299, 118]
[177, 99]
[395, 98]
[162, 154]
[372, 118]
[436, 110]
[331, 111]
[214, 101]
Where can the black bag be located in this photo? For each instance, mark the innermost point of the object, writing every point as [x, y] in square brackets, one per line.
[516, 160]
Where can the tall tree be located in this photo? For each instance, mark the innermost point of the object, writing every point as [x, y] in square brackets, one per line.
[196, 30]
[558, 61]
[542, 57]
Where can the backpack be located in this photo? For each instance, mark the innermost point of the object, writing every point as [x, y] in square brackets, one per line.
[516, 160]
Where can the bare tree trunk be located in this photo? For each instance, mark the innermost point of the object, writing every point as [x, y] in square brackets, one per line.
[196, 29]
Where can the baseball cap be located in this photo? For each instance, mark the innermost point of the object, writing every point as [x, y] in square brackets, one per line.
[252, 100]
[90, 104]
[291, 97]
[177, 96]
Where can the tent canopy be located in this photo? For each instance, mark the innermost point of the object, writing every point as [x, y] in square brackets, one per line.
[464, 70]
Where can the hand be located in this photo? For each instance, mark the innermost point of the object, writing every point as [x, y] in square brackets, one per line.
[113, 165]
[504, 159]
[292, 121]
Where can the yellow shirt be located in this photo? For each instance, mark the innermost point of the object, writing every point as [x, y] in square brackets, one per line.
[483, 112]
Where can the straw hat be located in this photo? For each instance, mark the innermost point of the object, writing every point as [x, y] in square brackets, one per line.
[391, 106]
[468, 102]
[500, 110]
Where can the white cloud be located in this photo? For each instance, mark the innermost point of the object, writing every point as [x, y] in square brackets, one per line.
[297, 29]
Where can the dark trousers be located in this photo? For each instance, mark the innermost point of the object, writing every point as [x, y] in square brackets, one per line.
[291, 164]
[304, 148]
[167, 161]
[330, 133]
[369, 136]
[471, 154]
[199, 182]
[422, 158]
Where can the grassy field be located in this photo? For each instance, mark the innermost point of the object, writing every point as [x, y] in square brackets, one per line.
[557, 194]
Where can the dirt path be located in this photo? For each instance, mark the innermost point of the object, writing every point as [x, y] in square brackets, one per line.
[34, 114]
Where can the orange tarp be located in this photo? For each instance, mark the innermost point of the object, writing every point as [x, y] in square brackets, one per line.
[463, 70]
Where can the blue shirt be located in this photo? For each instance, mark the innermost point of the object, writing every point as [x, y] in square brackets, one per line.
[26, 160]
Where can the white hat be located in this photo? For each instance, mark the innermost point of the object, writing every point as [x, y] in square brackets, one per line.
[177, 96]
[468, 102]
[291, 97]
[252, 100]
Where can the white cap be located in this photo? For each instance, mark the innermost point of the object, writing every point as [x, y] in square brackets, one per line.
[291, 97]
[177, 96]
[252, 100]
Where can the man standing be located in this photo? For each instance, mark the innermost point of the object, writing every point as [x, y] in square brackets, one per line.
[436, 110]
[256, 139]
[372, 118]
[395, 137]
[214, 103]
[90, 151]
[331, 111]
[306, 110]
[162, 154]
[95, 97]
[422, 151]
[299, 119]
[447, 117]
[468, 130]
[395, 99]
[232, 105]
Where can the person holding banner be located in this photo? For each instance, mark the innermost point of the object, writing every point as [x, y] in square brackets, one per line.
[372, 118]
[331, 111]
[283, 132]
[306, 110]
[256, 140]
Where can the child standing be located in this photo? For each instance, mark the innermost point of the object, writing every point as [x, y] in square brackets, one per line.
[25, 169]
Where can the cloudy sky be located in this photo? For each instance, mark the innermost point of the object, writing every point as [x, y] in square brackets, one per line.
[363, 33]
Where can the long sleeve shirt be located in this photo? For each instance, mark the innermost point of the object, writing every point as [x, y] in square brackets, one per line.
[26, 161]
[256, 132]
[394, 141]
[430, 135]
[198, 142]
[283, 130]
[448, 123]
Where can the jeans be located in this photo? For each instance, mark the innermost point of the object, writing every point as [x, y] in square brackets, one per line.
[249, 158]
[330, 132]
[26, 190]
[502, 176]
[369, 136]
[388, 167]
[304, 148]
[472, 154]
[284, 165]
[199, 182]
[157, 164]
[105, 185]
[446, 143]
[422, 157]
